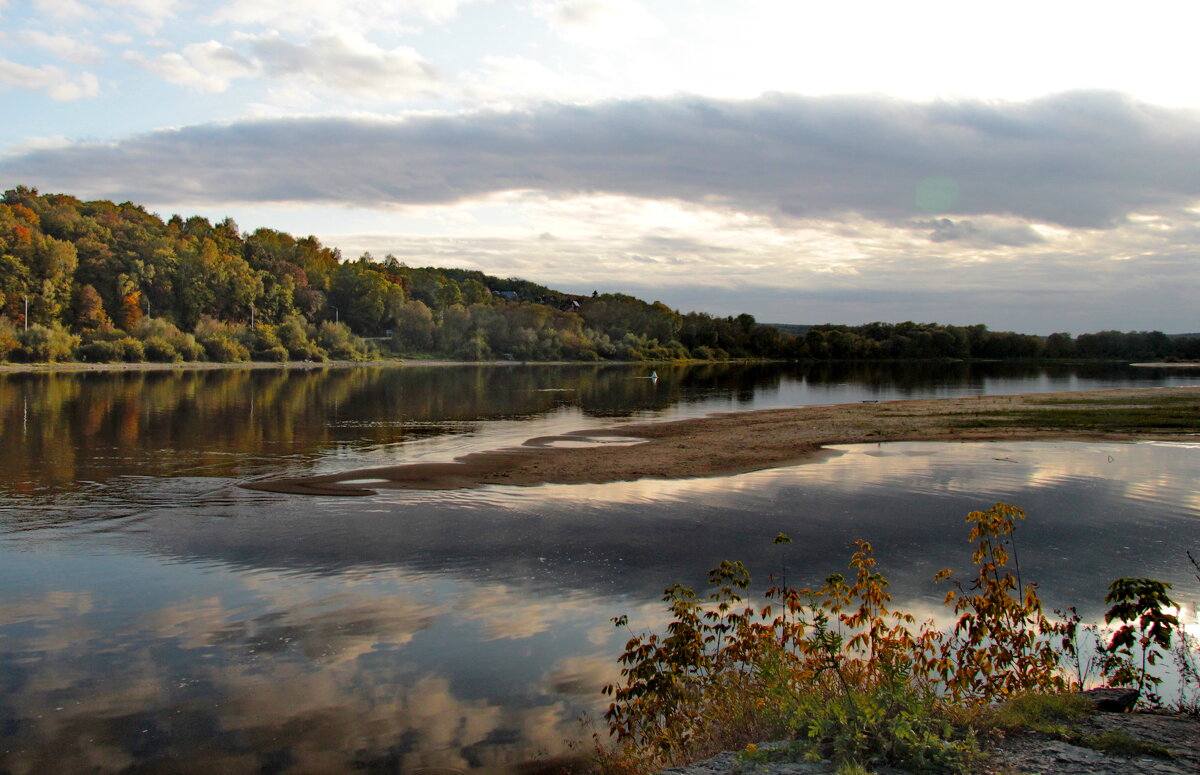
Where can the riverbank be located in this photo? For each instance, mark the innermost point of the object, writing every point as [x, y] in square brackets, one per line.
[1167, 365]
[8, 367]
[44, 368]
[1025, 752]
[727, 444]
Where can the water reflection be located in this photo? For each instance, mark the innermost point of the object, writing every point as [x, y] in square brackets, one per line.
[63, 431]
[470, 630]
[272, 673]
[155, 618]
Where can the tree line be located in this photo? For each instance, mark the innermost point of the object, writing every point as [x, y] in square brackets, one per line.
[906, 341]
[99, 281]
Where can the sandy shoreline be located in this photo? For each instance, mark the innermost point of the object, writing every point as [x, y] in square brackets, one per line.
[726, 444]
[1164, 365]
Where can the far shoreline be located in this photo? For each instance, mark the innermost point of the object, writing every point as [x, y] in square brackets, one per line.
[117, 368]
[8, 367]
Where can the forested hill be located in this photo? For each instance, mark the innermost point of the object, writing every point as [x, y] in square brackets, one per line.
[99, 281]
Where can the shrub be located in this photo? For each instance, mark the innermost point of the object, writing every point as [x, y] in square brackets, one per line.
[1002, 643]
[865, 685]
[45, 345]
[99, 351]
[277, 354]
[261, 339]
[727, 671]
[180, 346]
[340, 342]
[677, 351]
[474, 349]
[835, 666]
[224, 350]
[1144, 601]
[308, 352]
[131, 350]
[187, 347]
[159, 350]
[222, 341]
[150, 327]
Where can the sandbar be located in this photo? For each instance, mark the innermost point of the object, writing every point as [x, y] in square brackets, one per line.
[733, 443]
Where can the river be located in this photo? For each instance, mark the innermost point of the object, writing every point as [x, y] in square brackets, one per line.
[155, 617]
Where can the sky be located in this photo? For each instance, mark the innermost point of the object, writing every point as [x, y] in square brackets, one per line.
[1032, 166]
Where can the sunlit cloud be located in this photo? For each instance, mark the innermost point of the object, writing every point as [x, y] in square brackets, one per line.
[63, 46]
[53, 81]
[208, 67]
[309, 16]
[346, 65]
[604, 24]
[63, 9]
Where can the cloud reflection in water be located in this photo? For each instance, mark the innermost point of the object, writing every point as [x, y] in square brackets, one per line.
[469, 630]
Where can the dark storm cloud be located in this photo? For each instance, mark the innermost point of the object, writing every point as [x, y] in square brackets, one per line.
[981, 235]
[1077, 159]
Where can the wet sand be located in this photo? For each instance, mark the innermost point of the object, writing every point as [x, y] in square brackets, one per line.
[725, 444]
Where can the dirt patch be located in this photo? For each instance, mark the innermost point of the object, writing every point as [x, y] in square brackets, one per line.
[726, 444]
[1179, 734]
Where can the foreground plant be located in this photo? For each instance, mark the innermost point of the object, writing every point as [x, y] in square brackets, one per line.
[848, 678]
[1139, 604]
[1002, 644]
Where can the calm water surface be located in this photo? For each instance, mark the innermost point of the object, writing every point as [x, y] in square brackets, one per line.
[156, 618]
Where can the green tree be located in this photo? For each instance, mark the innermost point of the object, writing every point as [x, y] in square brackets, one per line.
[362, 297]
[414, 328]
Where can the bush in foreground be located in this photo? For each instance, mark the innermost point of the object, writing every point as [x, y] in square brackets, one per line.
[849, 679]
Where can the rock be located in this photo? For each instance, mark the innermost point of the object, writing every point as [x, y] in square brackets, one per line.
[1113, 700]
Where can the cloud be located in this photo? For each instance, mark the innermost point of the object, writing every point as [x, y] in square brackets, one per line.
[309, 16]
[208, 67]
[505, 79]
[982, 234]
[601, 23]
[63, 47]
[1141, 275]
[145, 15]
[346, 64]
[55, 82]
[63, 9]
[1079, 159]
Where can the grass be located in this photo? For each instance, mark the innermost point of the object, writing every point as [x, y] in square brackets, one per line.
[1160, 411]
[1164, 411]
[1165, 399]
[1047, 713]
[1118, 419]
